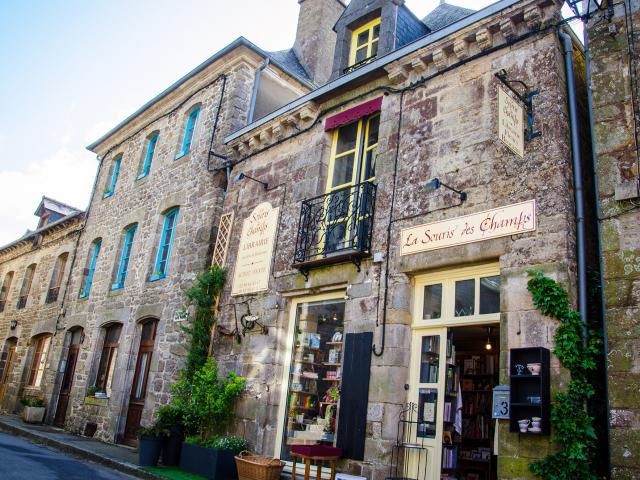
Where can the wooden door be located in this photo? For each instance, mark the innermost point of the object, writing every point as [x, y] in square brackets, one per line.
[9, 355]
[139, 386]
[67, 383]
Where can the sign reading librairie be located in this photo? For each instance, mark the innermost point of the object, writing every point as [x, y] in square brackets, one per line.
[253, 262]
[498, 222]
[510, 122]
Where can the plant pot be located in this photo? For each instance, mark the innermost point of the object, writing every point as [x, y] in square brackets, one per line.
[33, 414]
[149, 449]
[172, 446]
[208, 462]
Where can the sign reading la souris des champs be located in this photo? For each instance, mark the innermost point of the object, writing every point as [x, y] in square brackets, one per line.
[498, 222]
[255, 252]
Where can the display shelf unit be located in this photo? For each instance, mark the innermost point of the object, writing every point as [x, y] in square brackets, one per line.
[530, 394]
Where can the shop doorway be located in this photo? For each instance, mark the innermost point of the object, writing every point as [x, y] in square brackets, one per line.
[446, 429]
[67, 377]
[6, 365]
[140, 378]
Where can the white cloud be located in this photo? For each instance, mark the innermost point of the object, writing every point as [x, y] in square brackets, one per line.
[66, 175]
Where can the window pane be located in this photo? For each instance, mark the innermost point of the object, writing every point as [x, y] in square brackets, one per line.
[148, 330]
[429, 359]
[347, 137]
[490, 295]
[465, 298]
[427, 412]
[112, 368]
[374, 49]
[361, 54]
[141, 375]
[315, 375]
[374, 127]
[343, 170]
[336, 236]
[370, 164]
[363, 38]
[113, 334]
[376, 31]
[432, 302]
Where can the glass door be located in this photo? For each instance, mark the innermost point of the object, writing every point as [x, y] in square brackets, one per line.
[427, 398]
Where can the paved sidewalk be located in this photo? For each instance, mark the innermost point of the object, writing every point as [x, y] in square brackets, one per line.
[117, 457]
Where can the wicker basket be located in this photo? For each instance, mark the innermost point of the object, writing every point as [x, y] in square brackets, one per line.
[256, 467]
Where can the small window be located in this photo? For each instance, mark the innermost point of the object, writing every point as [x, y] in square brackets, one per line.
[189, 130]
[121, 275]
[56, 278]
[26, 286]
[364, 43]
[166, 242]
[108, 358]
[4, 292]
[39, 360]
[89, 270]
[112, 177]
[152, 141]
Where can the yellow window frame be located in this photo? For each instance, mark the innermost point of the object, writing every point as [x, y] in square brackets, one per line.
[371, 40]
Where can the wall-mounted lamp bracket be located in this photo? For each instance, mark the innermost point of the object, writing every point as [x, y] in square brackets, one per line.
[526, 98]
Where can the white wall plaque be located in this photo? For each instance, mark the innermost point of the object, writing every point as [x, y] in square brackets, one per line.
[253, 262]
[510, 122]
[498, 222]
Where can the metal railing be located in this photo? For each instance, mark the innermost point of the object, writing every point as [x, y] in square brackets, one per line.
[361, 63]
[52, 295]
[336, 225]
[22, 302]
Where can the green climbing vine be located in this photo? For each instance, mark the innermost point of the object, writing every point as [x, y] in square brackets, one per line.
[573, 427]
[201, 295]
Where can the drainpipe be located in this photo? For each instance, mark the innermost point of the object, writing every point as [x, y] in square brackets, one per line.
[587, 52]
[256, 86]
[567, 47]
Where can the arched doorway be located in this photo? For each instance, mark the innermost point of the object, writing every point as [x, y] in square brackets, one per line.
[77, 336]
[6, 364]
[140, 378]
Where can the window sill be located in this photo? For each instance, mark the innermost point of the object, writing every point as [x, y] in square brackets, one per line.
[182, 155]
[107, 195]
[142, 177]
[115, 290]
[155, 278]
[83, 297]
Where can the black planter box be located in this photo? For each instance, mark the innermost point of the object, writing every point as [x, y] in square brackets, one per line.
[208, 463]
[172, 447]
[149, 451]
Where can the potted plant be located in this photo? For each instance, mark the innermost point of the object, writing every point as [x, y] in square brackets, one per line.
[206, 402]
[171, 422]
[149, 446]
[33, 409]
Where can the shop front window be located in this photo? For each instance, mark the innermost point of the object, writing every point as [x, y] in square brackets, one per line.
[313, 395]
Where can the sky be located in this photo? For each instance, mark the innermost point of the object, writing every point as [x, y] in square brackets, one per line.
[73, 69]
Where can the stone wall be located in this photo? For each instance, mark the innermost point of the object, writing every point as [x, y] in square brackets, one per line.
[38, 317]
[448, 131]
[615, 99]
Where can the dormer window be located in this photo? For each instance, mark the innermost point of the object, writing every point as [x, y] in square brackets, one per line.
[364, 43]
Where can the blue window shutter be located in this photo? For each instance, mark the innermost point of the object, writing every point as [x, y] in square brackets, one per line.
[188, 133]
[124, 258]
[114, 177]
[92, 267]
[151, 148]
[166, 242]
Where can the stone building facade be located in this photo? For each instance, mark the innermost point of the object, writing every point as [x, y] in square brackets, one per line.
[613, 42]
[437, 101]
[34, 271]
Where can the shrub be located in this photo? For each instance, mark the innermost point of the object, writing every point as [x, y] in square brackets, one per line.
[169, 416]
[32, 401]
[230, 443]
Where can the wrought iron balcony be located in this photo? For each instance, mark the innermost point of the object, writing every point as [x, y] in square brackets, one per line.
[22, 302]
[336, 227]
[52, 295]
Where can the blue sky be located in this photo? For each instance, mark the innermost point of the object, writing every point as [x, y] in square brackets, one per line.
[72, 69]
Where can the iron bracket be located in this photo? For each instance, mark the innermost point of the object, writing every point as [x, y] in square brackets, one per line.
[526, 98]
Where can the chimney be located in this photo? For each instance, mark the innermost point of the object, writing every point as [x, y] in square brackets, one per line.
[315, 38]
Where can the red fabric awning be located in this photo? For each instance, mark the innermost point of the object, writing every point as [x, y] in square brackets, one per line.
[353, 114]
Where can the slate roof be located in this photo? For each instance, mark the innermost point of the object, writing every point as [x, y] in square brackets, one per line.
[290, 62]
[444, 15]
[55, 206]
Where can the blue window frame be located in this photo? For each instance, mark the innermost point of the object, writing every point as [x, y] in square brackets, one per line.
[124, 258]
[151, 149]
[114, 177]
[88, 280]
[166, 241]
[188, 132]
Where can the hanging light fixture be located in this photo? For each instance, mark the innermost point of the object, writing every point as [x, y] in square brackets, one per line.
[488, 345]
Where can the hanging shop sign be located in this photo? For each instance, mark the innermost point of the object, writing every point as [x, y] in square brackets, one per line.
[498, 222]
[255, 252]
[510, 122]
